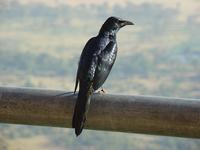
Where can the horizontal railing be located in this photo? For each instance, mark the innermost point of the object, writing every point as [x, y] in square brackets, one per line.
[124, 113]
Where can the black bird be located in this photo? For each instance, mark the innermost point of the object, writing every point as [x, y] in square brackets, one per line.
[96, 61]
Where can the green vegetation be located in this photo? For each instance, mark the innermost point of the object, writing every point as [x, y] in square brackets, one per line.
[40, 47]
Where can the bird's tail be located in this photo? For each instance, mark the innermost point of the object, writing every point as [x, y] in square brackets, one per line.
[81, 108]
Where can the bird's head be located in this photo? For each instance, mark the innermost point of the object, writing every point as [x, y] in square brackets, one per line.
[113, 24]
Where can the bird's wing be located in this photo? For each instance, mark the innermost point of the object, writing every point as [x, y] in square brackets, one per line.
[84, 60]
[85, 75]
[106, 60]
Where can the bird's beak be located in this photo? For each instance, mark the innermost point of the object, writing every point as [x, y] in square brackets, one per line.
[125, 22]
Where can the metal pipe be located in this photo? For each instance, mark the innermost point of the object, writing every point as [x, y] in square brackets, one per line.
[133, 114]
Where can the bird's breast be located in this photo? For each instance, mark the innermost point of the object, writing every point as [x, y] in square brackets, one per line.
[110, 55]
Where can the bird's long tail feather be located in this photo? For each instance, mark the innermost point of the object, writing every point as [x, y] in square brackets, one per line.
[81, 108]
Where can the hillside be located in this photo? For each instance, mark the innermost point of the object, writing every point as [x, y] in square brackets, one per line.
[40, 47]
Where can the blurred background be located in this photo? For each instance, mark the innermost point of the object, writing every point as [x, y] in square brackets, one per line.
[41, 41]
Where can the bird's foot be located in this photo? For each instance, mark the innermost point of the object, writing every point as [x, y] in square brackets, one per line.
[102, 91]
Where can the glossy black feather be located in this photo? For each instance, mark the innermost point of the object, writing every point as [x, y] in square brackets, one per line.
[96, 61]
[106, 60]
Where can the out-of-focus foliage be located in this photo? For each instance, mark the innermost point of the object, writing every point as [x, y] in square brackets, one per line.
[40, 47]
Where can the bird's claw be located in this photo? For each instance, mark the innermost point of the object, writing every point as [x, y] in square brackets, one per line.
[102, 91]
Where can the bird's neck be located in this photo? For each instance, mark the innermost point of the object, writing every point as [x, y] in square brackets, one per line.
[108, 34]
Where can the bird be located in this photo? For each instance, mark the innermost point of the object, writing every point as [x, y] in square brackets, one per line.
[95, 64]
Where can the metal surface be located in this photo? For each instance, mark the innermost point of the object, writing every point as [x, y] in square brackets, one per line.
[136, 114]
